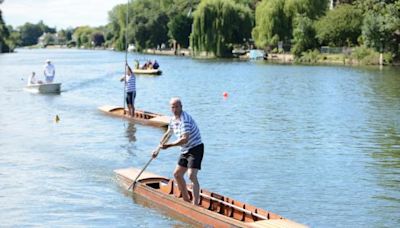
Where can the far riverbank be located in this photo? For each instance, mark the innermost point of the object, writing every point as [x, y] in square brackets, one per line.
[285, 58]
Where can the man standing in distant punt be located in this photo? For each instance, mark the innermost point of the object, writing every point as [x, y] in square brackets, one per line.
[49, 71]
[130, 88]
[192, 149]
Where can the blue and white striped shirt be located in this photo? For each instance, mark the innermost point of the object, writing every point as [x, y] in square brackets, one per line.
[186, 124]
[130, 83]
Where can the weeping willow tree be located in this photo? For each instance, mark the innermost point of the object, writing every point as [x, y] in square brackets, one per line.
[276, 20]
[272, 24]
[117, 26]
[218, 25]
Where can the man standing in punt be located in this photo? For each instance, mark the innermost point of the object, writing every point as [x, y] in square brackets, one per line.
[130, 88]
[49, 71]
[192, 149]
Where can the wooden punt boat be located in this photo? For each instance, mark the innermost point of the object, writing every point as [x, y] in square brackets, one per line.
[215, 210]
[44, 88]
[142, 117]
[147, 71]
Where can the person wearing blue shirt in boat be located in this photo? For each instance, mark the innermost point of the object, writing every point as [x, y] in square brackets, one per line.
[155, 65]
[130, 88]
[49, 71]
[192, 149]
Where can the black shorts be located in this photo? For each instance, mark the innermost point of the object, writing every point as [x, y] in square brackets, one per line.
[192, 158]
[130, 98]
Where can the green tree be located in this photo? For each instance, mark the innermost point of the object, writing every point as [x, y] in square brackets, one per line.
[97, 38]
[381, 28]
[303, 35]
[275, 19]
[340, 27]
[64, 36]
[29, 34]
[312, 9]
[218, 25]
[271, 23]
[116, 27]
[82, 36]
[4, 35]
[148, 23]
[180, 28]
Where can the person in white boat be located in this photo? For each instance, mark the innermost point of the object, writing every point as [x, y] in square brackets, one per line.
[32, 80]
[192, 149]
[130, 89]
[49, 71]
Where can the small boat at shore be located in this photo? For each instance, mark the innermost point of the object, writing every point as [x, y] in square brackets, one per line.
[44, 88]
[147, 71]
[142, 117]
[215, 210]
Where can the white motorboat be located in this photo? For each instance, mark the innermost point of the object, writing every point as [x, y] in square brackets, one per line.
[44, 88]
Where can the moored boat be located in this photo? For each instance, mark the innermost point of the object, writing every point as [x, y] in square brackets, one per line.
[44, 88]
[147, 71]
[215, 210]
[142, 117]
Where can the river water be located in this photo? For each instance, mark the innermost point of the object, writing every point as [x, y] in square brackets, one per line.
[319, 145]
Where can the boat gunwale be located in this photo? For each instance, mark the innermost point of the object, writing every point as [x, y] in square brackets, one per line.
[154, 118]
[147, 71]
[198, 209]
[221, 218]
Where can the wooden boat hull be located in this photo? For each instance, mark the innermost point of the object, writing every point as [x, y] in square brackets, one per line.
[215, 210]
[147, 71]
[142, 117]
[44, 88]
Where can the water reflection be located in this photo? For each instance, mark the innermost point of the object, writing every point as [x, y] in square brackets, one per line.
[388, 158]
[130, 132]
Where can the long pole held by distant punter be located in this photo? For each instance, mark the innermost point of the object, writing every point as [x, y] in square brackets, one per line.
[132, 186]
[126, 50]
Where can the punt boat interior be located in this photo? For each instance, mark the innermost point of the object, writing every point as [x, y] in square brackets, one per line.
[215, 210]
[141, 116]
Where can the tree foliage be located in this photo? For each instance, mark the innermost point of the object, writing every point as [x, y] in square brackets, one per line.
[275, 19]
[219, 24]
[271, 23]
[303, 35]
[117, 26]
[381, 28]
[312, 9]
[340, 27]
[83, 36]
[31, 32]
[180, 28]
[4, 36]
[148, 24]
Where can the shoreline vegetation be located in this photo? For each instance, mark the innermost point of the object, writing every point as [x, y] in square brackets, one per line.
[345, 32]
[315, 58]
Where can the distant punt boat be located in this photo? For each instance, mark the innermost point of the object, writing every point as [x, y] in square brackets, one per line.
[142, 117]
[215, 210]
[44, 88]
[147, 71]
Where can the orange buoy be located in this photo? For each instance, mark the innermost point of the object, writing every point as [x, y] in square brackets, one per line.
[225, 94]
